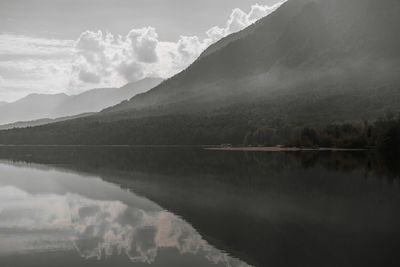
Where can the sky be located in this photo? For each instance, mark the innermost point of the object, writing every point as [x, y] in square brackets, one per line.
[69, 46]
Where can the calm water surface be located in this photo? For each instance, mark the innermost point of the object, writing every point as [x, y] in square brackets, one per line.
[77, 206]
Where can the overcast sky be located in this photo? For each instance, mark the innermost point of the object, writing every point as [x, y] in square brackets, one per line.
[53, 46]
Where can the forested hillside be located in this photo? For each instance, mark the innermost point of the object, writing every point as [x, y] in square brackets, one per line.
[310, 63]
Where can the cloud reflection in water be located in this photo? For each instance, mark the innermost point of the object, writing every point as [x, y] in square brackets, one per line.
[31, 223]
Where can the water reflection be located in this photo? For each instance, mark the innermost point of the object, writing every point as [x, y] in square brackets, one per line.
[266, 209]
[45, 216]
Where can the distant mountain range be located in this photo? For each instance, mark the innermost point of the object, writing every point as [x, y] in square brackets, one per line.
[42, 108]
[311, 62]
[25, 124]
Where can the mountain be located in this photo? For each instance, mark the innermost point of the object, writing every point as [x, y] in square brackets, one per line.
[311, 62]
[24, 124]
[305, 47]
[31, 107]
[98, 99]
[42, 106]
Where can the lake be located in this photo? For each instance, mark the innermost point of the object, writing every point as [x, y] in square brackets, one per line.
[126, 206]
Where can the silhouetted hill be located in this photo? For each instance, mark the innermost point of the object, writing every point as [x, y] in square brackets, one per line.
[97, 99]
[311, 62]
[31, 107]
[24, 124]
[43, 106]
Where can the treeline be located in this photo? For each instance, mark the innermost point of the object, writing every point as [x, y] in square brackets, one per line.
[238, 129]
[161, 130]
[382, 134]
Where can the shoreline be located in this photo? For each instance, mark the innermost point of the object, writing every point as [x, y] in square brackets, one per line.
[281, 149]
[216, 148]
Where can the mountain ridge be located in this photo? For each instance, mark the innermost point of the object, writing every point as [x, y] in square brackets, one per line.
[311, 62]
[309, 30]
[51, 106]
[39, 122]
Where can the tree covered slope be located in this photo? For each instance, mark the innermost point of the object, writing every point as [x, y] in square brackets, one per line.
[311, 62]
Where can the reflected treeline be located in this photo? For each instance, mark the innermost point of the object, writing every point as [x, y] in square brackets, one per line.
[186, 161]
[371, 162]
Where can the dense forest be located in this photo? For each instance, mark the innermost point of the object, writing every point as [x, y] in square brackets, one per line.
[382, 134]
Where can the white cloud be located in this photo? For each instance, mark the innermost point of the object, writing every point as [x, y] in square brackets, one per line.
[97, 229]
[91, 42]
[15, 45]
[144, 43]
[237, 21]
[114, 60]
[98, 59]
[258, 11]
[31, 64]
[111, 59]
[215, 33]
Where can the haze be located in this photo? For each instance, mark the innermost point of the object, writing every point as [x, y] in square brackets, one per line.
[108, 43]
